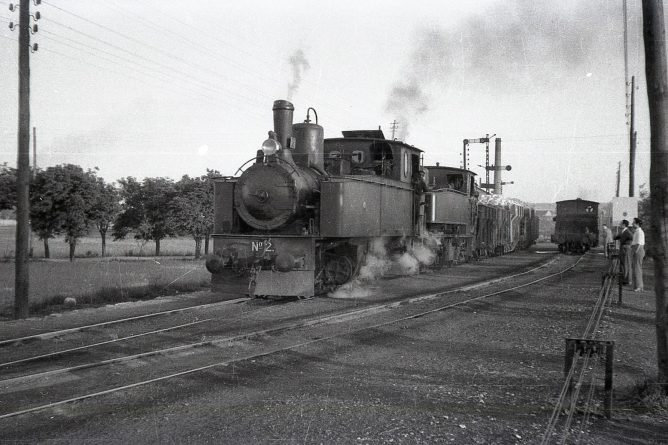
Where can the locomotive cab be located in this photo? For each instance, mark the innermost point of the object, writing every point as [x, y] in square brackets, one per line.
[452, 179]
[368, 153]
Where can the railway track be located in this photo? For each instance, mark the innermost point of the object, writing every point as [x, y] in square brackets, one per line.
[24, 380]
[83, 328]
[114, 331]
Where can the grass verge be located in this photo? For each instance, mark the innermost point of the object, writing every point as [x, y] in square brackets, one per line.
[94, 282]
[108, 295]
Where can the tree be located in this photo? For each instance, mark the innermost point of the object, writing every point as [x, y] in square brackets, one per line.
[45, 216]
[654, 36]
[7, 187]
[644, 206]
[193, 209]
[62, 199]
[81, 195]
[146, 210]
[105, 209]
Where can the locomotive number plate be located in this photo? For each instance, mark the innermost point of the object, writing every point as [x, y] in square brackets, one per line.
[261, 247]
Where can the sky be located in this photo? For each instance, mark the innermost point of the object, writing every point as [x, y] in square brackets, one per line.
[163, 88]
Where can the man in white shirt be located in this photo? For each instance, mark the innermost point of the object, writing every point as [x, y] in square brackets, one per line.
[638, 248]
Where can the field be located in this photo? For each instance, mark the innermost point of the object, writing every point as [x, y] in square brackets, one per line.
[127, 273]
[91, 246]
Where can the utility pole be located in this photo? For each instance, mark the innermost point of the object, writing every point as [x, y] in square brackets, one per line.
[34, 152]
[630, 113]
[632, 140]
[619, 175]
[394, 125]
[32, 179]
[23, 161]
[626, 59]
[654, 36]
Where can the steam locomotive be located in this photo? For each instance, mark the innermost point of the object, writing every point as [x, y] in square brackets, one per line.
[576, 225]
[305, 211]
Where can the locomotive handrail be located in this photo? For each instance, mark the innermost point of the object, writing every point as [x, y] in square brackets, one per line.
[242, 165]
[294, 170]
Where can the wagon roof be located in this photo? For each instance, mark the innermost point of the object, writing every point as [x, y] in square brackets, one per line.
[445, 167]
[578, 200]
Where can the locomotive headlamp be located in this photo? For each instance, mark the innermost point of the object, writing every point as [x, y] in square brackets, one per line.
[271, 147]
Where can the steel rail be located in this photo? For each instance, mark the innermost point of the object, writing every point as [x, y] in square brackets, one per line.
[297, 325]
[602, 301]
[58, 333]
[574, 399]
[106, 342]
[554, 417]
[294, 346]
[157, 331]
[587, 408]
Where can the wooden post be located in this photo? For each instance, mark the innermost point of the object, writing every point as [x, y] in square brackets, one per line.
[654, 36]
[632, 140]
[568, 363]
[23, 168]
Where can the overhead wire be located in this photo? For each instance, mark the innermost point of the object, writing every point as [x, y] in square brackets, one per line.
[256, 72]
[136, 68]
[168, 54]
[191, 43]
[182, 74]
[192, 86]
[166, 84]
[165, 81]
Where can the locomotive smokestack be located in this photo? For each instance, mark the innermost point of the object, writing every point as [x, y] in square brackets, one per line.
[283, 111]
[497, 167]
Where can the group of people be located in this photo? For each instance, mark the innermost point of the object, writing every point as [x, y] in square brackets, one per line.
[631, 251]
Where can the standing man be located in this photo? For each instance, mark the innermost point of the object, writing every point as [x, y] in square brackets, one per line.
[607, 240]
[419, 189]
[638, 248]
[625, 257]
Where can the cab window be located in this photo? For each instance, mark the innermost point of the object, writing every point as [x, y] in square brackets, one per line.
[407, 165]
[456, 182]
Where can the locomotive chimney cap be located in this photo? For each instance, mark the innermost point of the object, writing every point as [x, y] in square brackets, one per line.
[283, 105]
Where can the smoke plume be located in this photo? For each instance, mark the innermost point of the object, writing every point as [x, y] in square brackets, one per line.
[517, 45]
[299, 64]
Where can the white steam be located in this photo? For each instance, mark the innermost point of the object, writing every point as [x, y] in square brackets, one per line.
[379, 263]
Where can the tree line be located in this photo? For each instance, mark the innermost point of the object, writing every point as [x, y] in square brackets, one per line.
[66, 200]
